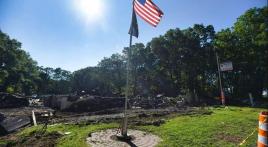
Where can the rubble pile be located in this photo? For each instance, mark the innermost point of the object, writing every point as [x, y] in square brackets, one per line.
[12, 101]
[155, 102]
[12, 124]
[83, 103]
[12, 119]
[89, 103]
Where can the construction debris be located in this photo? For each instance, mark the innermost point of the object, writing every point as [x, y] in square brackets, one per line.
[89, 103]
[12, 124]
[83, 103]
[156, 102]
[15, 118]
[12, 101]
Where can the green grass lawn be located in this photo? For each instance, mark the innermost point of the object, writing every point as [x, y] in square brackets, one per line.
[224, 127]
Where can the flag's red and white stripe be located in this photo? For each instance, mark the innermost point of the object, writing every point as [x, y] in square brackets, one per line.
[149, 12]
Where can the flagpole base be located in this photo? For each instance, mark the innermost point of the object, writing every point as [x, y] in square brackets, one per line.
[124, 127]
[124, 138]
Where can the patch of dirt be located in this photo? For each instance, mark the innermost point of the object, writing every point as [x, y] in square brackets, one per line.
[146, 123]
[47, 140]
[104, 117]
[229, 138]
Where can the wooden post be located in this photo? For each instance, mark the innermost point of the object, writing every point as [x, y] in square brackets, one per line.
[34, 119]
[251, 99]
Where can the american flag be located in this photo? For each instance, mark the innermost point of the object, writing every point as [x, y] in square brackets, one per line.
[148, 11]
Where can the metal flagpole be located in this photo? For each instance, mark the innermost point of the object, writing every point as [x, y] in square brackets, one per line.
[219, 73]
[124, 127]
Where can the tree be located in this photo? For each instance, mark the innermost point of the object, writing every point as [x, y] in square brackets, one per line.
[54, 81]
[18, 71]
[113, 73]
[88, 80]
[246, 45]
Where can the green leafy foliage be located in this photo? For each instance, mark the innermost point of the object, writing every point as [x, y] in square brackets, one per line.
[246, 45]
[17, 69]
[19, 73]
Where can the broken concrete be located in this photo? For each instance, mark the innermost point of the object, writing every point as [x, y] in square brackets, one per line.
[12, 101]
[89, 103]
[12, 124]
[159, 102]
[15, 118]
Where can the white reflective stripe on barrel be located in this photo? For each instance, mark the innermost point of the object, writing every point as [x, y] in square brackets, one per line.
[263, 126]
[263, 140]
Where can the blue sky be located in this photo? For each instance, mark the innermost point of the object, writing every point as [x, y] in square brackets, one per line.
[73, 34]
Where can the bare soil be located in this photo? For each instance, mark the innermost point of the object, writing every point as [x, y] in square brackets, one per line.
[47, 140]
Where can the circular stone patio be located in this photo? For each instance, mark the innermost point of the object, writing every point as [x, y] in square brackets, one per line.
[105, 138]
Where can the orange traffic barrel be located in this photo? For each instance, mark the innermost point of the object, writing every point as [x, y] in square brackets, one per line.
[263, 130]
